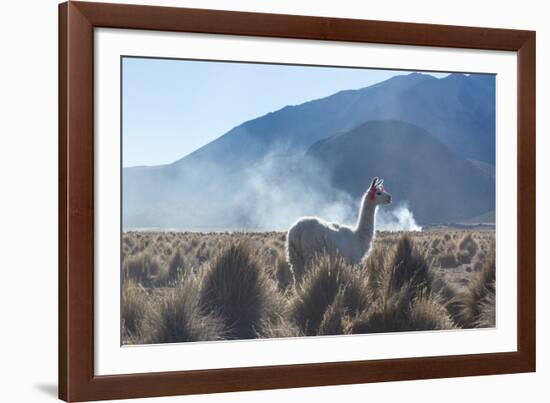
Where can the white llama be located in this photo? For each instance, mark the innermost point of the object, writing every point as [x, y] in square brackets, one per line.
[311, 236]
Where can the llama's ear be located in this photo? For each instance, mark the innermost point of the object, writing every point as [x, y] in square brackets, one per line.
[373, 182]
[380, 182]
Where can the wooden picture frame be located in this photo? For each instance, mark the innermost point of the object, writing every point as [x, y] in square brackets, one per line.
[77, 21]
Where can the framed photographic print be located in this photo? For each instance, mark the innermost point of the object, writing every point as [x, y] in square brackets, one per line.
[252, 201]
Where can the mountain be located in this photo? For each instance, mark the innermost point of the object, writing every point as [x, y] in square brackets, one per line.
[225, 183]
[438, 184]
[459, 110]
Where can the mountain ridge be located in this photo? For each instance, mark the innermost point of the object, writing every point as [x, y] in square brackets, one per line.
[407, 156]
[248, 130]
[461, 116]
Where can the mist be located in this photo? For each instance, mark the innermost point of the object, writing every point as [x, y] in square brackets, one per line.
[267, 196]
[275, 199]
[397, 218]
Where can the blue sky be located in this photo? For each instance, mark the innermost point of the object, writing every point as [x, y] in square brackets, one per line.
[173, 107]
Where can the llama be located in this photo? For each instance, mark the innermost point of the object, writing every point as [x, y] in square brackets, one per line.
[311, 236]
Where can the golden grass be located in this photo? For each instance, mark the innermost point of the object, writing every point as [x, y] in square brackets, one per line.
[178, 317]
[183, 286]
[332, 285]
[474, 306]
[236, 289]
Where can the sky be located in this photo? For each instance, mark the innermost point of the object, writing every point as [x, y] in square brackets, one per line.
[173, 107]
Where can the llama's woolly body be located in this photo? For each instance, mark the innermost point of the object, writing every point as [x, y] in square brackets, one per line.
[311, 236]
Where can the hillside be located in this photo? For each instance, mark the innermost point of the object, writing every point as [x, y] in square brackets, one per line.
[258, 168]
[439, 185]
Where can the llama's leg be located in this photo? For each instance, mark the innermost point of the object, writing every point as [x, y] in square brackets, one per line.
[295, 257]
[296, 262]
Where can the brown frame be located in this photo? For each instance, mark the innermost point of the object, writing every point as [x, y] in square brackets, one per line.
[77, 21]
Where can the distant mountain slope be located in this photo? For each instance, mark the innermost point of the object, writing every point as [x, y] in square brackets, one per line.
[222, 183]
[439, 185]
[459, 110]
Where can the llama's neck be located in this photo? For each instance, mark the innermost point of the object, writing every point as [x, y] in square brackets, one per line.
[365, 222]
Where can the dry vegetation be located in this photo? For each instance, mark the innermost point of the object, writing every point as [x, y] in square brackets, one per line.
[187, 286]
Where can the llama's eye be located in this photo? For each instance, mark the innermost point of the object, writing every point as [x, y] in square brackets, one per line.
[378, 193]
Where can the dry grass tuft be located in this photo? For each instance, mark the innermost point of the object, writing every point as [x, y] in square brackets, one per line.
[487, 310]
[176, 267]
[448, 260]
[467, 249]
[409, 268]
[237, 290]
[427, 313]
[406, 293]
[178, 317]
[145, 269]
[279, 327]
[133, 309]
[334, 318]
[396, 313]
[283, 274]
[188, 286]
[320, 288]
[475, 305]
[375, 266]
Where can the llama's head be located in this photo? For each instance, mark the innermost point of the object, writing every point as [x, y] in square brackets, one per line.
[377, 193]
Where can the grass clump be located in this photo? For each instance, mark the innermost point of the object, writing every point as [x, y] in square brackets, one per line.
[487, 310]
[280, 326]
[178, 317]
[146, 269]
[474, 306]
[334, 318]
[283, 274]
[396, 313]
[240, 292]
[467, 249]
[134, 306]
[406, 294]
[176, 267]
[427, 313]
[409, 269]
[375, 267]
[331, 285]
[191, 286]
[448, 260]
